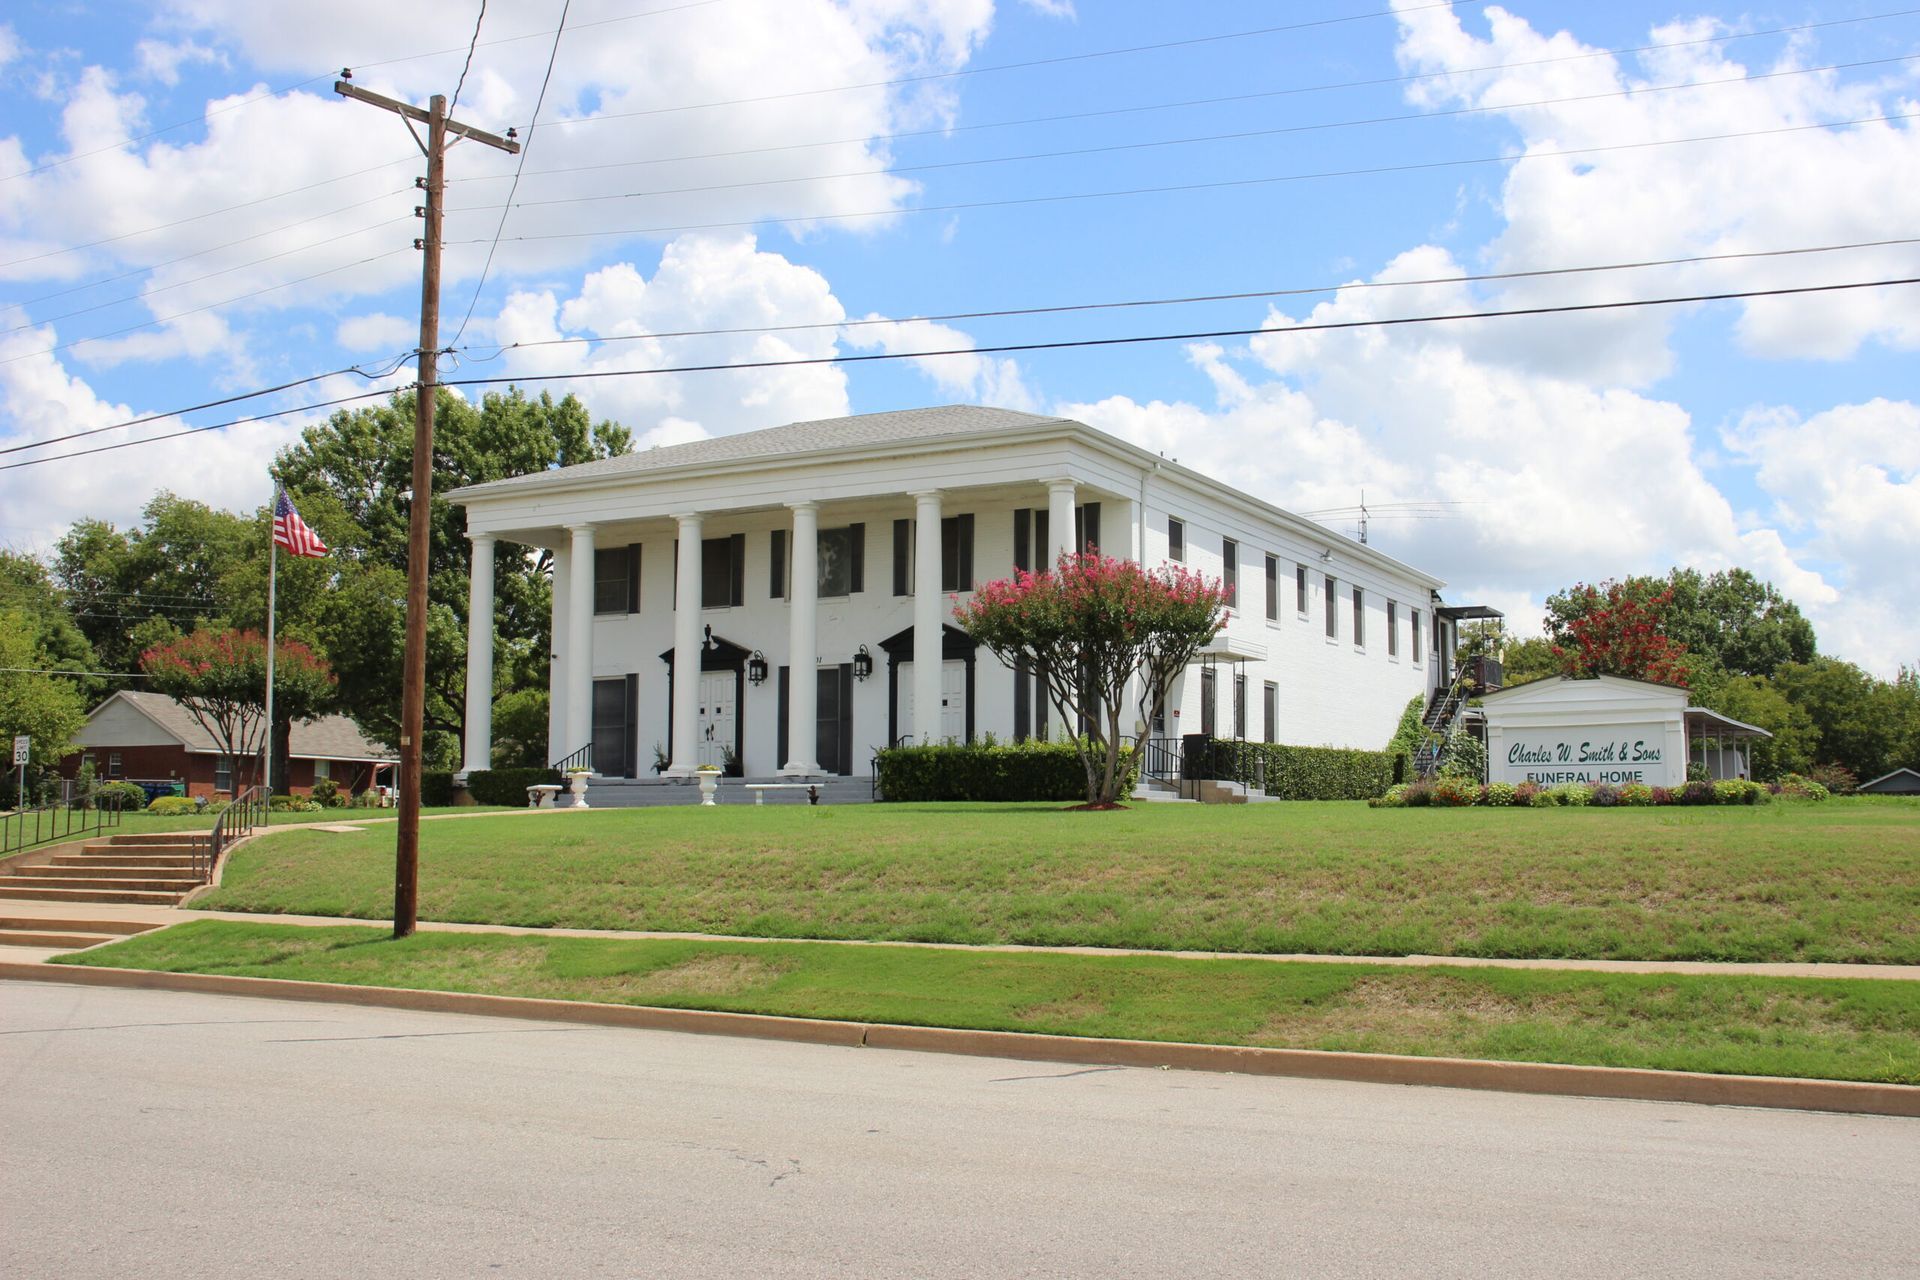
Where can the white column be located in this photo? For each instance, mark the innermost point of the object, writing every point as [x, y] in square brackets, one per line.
[557, 730]
[803, 645]
[579, 641]
[1060, 521]
[686, 651]
[927, 637]
[479, 748]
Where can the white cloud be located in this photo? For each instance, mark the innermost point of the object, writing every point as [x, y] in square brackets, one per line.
[10, 47]
[161, 59]
[1052, 8]
[378, 332]
[967, 376]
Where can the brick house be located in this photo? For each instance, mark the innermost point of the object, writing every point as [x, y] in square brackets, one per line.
[145, 737]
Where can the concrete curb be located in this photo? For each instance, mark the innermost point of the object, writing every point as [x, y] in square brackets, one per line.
[1843, 1096]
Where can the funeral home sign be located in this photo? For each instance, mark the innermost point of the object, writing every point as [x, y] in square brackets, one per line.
[1604, 729]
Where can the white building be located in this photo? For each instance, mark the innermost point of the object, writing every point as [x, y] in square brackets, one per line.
[684, 559]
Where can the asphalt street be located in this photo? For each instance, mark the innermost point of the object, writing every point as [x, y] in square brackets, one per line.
[170, 1134]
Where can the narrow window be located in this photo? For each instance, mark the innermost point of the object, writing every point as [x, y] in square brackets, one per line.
[1240, 706]
[1393, 629]
[1230, 570]
[1333, 618]
[1086, 528]
[1270, 701]
[1177, 541]
[956, 553]
[223, 775]
[1273, 588]
[1300, 589]
[903, 557]
[1413, 629]
[1359, 618]
[1207, 699]
[777, 566]
[113, 763]
[1022, 538]
[610, 565]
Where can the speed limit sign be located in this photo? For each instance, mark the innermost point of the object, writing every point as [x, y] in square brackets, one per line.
[22, 747]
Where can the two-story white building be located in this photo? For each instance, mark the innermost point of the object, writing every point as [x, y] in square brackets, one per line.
[804, 577]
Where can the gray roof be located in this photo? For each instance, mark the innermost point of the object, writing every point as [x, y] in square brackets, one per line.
[325, 738]
[796, 438]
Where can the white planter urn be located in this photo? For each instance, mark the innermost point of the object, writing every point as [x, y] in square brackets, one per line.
[577, 785]
[709, 783]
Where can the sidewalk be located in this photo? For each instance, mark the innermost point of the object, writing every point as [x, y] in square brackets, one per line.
[158, 917]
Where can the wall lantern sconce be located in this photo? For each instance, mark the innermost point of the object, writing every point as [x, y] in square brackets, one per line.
[712, 645]
[757, 668]
[862, 663]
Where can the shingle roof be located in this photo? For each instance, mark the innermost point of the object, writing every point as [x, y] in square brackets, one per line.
[797, 437]
[325, 738]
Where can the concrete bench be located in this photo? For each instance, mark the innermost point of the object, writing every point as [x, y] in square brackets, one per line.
[542, 795]
[759, 787]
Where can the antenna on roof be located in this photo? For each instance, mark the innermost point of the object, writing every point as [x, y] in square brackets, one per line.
[1363, 517]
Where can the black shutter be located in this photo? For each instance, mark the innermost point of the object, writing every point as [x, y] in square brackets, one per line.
[1022, 701]
[737, 553]
[780, 747]
[902, 549]
[1041, 555]
[633, 723]
[1023, 538]
[777, 572]
[1090, 534]
[966, 553]
[633, 577]
[857, 535]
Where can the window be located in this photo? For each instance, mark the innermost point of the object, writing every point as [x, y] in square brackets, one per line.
[842, 557]
[956, 553]
[1270, 707]
[1393, 629]
[723, 578]
[1177, 540]
[1273, 588]
[223, 774]
[1240, 706]
[322, 769]
[1086, 527]
[777, 566]
[1359, 618]
[1333, 621]
[1022, 539]
[903, 557]
[616, 580]
[1230, 570]
[1300, 589]
[1413, 627]
[113, 764]
[1206, 701]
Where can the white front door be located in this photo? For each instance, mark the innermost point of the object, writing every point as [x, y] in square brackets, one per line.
[713, 732]
[953, 703]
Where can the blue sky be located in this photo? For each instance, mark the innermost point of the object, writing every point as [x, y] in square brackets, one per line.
[1781, 435]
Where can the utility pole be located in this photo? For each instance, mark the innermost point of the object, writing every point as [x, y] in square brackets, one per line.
[413, 695]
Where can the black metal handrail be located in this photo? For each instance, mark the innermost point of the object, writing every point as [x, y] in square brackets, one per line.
[1162, 758]
[61, 820]
[581, 759]
[240, 816]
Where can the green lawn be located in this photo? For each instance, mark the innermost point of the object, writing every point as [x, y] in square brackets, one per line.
[1847, 1029]
[1836, 881]
[148, 823]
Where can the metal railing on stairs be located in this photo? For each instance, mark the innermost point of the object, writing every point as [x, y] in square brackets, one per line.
[581, 759]
[81, 815]
[1439, 721]
[239, 817]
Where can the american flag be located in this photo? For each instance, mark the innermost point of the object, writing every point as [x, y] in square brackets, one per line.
[291, 532]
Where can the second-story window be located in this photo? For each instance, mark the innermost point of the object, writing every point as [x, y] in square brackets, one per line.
[1273, 588]
[1300, 589]
[1393, 629]
[842, 560]
[1359, 617]
[1177, 541]
[1333, 617]
[1230, 570]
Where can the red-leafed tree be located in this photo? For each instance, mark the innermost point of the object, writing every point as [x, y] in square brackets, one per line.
[220, 676]
[1614, 630]
[1093, 625]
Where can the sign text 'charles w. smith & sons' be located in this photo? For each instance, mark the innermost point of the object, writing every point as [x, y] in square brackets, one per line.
[1627, 753]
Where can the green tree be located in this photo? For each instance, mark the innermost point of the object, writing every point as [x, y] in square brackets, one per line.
[48, 708]
[1756, 700]
[1729, 621]
[352, 480]
[1860, 722]
[27, 587]
[1616, 629]
[221, 678]
[1095, 625]
[1528, 660]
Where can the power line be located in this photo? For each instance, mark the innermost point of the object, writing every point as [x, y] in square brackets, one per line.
[1240, 296]
[1221, 184]
[1410, 78]
[461, 83]
[1236, 136]
[1002, 348]
[481, 283]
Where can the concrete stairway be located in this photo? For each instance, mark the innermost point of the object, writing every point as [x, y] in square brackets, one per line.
[59, 933]
[155, 870]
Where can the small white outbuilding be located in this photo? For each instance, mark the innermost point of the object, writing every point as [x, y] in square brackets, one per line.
[1607, 729]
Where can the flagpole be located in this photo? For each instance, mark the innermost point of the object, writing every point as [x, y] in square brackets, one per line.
[273, 573]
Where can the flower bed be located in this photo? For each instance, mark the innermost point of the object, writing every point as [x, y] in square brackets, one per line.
[1453, 793]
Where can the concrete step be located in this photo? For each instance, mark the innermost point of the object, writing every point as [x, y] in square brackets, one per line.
[64, 941]
[159, 838]
[129, 857]
[101, 868]
[68, 924]
[32, 892]
[9, 883]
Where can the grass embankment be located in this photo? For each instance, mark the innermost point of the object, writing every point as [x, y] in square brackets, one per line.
[1835, 882]
[1847, 1029]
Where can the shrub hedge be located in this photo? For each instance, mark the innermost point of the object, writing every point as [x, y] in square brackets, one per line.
[172, 806]
[1306, 773]
[507, 786]
[1454, 792]
[998, 771]
[128, 797]
[436, 788]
